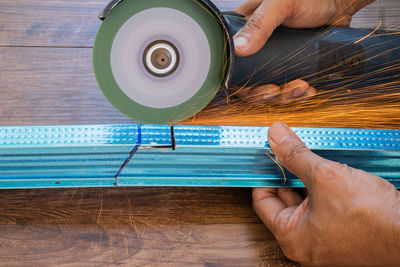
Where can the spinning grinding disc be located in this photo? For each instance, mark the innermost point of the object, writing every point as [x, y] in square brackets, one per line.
[160, 61]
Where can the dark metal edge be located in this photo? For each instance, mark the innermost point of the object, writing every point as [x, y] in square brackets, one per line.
[104, 13]
[228, 35]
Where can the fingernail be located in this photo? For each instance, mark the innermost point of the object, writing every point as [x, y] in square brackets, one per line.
[298, 92]
[240, 42]
[279, 132]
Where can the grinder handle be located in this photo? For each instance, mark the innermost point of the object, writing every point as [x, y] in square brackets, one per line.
[325, 57]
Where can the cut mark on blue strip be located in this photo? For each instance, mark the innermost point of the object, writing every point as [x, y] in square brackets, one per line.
[173, 141]
[133, 151]
[136, 148]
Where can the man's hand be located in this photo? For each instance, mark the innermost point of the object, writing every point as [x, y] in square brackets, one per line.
[264, 16]
[349, 218]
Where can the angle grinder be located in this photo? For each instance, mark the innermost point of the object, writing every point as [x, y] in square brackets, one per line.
[163, 61]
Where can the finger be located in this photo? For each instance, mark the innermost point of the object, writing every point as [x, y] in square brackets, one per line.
[289, 197]
[267, 205]
[266, 92]
[248, 7]
[271, 93]
[252, 37]
[293, 154]
[310, 92]
[294, 90]
[275, 214]
[259, 95]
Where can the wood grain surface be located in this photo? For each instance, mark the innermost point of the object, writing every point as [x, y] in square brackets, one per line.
[133, 226]
[46, 77]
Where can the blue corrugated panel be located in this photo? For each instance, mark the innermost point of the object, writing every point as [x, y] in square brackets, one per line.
[105, 155]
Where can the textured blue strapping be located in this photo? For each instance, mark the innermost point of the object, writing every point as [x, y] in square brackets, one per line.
[133, 151]
[102, 155]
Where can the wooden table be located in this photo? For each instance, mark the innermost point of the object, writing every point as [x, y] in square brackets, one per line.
[46, 77]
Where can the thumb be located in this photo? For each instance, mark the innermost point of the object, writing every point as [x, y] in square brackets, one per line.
[293, 154]
[252, 37]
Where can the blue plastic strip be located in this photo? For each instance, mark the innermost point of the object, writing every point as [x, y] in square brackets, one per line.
[158, 155]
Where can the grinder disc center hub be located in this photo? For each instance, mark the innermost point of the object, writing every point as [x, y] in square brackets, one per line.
[161, 58]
